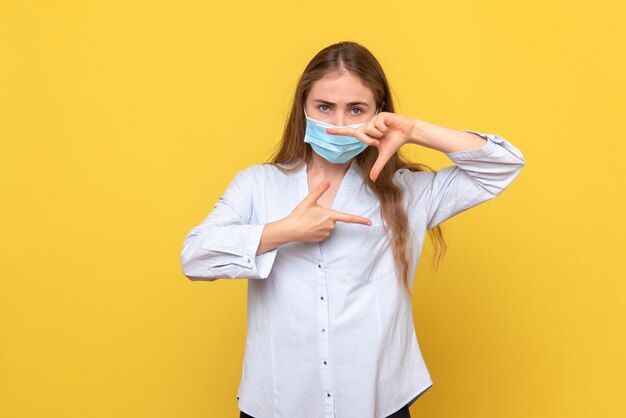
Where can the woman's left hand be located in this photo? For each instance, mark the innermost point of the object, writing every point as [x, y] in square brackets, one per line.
[386, 131]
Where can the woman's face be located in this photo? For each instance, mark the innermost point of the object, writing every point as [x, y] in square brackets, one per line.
[340, 99]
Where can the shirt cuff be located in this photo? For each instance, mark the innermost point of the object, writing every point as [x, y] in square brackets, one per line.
[237, 244]
[262, 262]
[486, 149]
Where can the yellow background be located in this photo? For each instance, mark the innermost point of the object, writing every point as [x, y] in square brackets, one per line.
[122, 122]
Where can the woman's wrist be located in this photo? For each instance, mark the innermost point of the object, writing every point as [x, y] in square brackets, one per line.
[417, 134]
[275, 234]
[287, 230]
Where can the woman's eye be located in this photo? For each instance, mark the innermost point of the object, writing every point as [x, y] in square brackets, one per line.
[325, 108]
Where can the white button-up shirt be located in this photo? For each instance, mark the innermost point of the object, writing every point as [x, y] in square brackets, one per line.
[330, 327]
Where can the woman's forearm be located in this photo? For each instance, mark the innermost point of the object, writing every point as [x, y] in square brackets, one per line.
[444, 139]
[275, 234]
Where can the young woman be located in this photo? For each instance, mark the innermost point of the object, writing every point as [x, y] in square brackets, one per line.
[329, 234]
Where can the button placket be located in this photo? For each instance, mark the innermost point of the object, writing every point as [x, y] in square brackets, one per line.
[324, 335]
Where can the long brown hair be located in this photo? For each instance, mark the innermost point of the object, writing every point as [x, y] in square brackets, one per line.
[355, 58]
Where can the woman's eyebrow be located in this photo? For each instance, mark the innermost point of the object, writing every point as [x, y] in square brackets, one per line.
[331, 103]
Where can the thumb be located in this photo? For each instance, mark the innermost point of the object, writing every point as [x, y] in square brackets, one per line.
[383, 157]
[318, 191]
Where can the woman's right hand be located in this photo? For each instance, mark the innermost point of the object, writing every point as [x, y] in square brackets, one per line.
[310, 222]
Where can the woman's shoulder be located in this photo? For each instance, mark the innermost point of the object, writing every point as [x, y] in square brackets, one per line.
[258, 174]
[285, 169]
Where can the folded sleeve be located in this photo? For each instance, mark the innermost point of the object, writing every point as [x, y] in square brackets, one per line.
[224, 245]
[478, 175]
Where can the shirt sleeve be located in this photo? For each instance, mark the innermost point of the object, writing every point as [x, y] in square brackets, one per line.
[224, 245]
[478, 175]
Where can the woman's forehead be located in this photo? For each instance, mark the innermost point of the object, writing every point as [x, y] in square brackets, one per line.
[341, 88]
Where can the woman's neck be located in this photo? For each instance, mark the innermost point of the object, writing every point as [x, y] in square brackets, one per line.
[321, 168]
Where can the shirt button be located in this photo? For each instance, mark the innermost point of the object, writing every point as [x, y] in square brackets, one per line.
[322, 297]
[319, 265]
[324, 361]
[323, 330]
[328, 394]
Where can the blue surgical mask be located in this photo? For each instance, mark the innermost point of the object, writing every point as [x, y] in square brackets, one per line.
[334, 148]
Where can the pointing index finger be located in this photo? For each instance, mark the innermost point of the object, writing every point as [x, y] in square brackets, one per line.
[342, 131]
[346, 217]
[360, 135]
